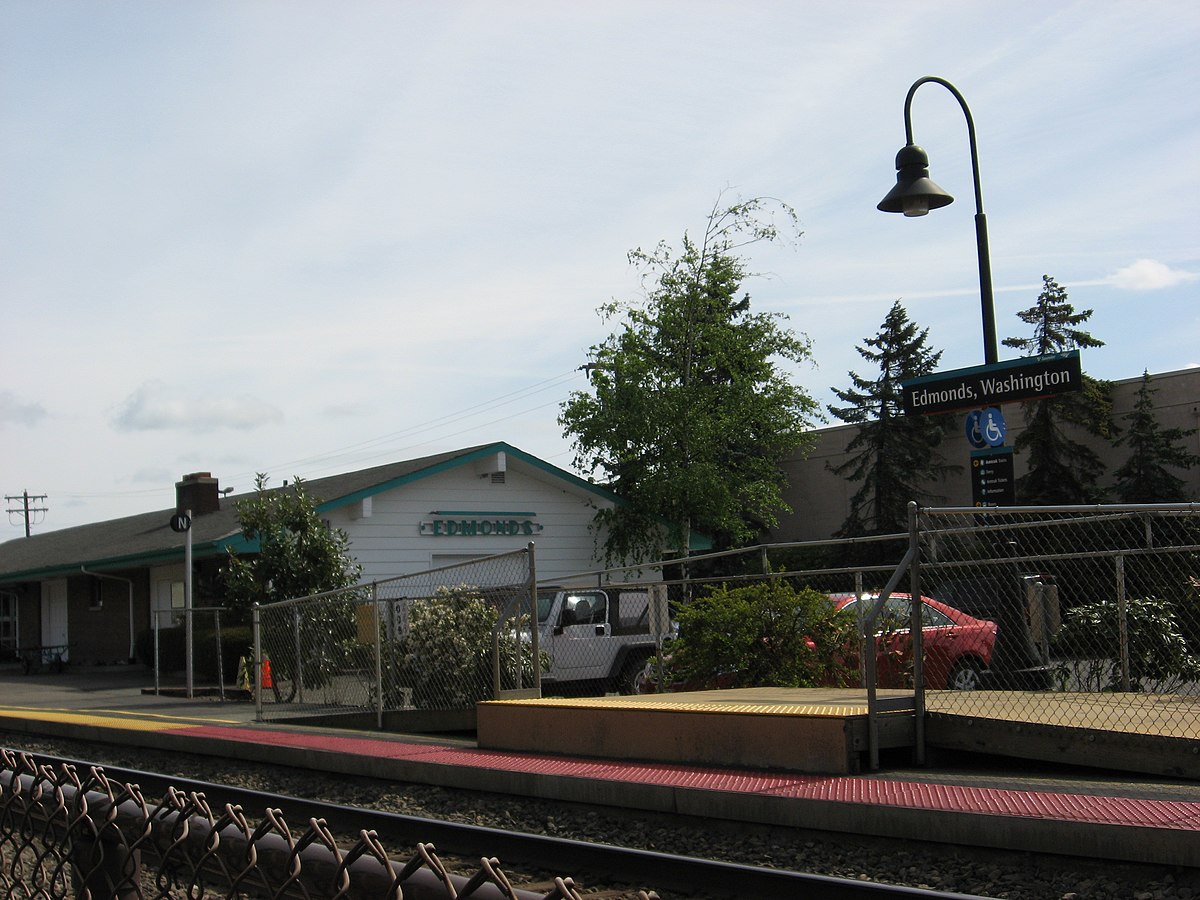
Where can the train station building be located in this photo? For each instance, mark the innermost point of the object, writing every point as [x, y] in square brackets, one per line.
[94, 588]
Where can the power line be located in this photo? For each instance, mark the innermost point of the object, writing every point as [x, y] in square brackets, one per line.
[387, 444]
[25, 509]
[394, 442]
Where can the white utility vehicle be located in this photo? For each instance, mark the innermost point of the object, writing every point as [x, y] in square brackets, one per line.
[597, 639]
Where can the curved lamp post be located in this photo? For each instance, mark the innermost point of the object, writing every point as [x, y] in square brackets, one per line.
[915, 194]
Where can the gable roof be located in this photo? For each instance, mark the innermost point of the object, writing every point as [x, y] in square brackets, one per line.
[146, 539]
[339, 490]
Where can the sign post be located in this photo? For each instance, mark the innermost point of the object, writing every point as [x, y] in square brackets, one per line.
[182, 522]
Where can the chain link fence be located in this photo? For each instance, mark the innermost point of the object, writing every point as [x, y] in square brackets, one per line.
[1086, 617]
[605, 635]
[429, 642]
[199, 648]
[66, 833]
[1097, 613]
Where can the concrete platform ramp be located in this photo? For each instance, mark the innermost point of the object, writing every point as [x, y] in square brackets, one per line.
[799, 730]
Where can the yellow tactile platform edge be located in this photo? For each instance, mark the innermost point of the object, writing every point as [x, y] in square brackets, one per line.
[761, 709]
[122, 721]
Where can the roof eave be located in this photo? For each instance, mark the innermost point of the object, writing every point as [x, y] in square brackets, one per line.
[205, 550]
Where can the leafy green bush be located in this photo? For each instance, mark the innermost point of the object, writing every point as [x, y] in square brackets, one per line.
[765, 634]
[446, 655]
[1159, 657]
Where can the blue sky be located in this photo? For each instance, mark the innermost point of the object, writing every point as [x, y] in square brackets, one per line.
[306, 237]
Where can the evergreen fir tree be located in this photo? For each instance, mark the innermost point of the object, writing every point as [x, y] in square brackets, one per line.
[894, 455]
[1146, 477]
[1061, 470]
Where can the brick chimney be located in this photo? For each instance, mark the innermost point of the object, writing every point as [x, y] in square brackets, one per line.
[197, 492]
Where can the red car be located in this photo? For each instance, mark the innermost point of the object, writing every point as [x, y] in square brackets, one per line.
[958, 647]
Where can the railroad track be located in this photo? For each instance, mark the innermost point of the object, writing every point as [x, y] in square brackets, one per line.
[606, 871]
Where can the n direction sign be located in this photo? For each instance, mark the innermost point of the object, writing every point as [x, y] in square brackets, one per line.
[982, 386]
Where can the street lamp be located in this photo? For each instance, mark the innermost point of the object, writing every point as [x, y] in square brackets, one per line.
[915, 194]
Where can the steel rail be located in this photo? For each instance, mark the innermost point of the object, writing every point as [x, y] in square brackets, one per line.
[658, 871]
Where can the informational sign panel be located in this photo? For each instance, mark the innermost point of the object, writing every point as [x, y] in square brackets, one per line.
[992, 482]
[1005, 382]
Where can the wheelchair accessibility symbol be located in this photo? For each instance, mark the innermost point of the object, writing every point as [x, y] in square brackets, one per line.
[986, 428]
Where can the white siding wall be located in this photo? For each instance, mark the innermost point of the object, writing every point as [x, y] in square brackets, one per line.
[388, 542]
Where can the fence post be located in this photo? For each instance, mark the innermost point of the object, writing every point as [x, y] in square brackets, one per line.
[862, 635]
[157, 661]
[918, 632]
[256, 630]
[298, 674]
[376, 612]
[535, 644]
[1122, 623]
[220, 655]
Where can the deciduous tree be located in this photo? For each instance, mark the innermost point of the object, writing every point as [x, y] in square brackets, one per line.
[297, 555]
[690, 411]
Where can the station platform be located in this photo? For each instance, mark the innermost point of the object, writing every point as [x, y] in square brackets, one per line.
[1109, 816]
[818, 730]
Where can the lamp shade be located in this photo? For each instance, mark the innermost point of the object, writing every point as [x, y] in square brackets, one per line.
[914, 194]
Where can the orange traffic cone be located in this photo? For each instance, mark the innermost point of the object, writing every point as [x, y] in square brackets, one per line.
[267, 682]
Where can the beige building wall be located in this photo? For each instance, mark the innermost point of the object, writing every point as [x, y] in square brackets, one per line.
[820, 500]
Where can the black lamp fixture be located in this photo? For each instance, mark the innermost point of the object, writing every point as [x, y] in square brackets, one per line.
[915, 194]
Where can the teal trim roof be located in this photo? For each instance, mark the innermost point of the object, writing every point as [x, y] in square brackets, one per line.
[147, 539]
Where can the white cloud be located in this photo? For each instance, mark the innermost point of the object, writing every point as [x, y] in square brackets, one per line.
[159, 407]
[15, 412]
[1149, 275]
[395, 224]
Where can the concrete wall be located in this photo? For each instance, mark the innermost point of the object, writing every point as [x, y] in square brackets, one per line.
[820, 500]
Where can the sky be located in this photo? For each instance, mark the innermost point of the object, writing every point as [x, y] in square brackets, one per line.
[307, 237]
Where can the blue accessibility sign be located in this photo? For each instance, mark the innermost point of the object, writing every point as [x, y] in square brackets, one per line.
[974, 432]
[986, 428]
[993, 427]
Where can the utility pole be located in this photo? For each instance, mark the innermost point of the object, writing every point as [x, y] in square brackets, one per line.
[25, 509]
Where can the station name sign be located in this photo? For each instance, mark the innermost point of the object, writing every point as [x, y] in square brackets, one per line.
[1010, 381]
[450, 523]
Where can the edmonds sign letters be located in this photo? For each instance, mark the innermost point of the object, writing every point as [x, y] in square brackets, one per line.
[454, 523]
[1007, 382]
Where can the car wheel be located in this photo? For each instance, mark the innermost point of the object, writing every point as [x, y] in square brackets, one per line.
[630, 678]
[966, 675]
